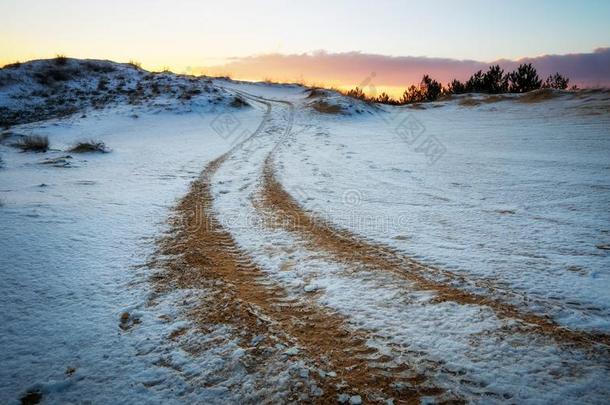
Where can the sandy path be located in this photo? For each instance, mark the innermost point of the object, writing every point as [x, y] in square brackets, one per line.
[204, 255]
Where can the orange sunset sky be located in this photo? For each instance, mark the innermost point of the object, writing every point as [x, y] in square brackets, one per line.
[383, 45]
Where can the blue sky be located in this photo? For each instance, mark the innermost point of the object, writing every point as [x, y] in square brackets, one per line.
[191, 33]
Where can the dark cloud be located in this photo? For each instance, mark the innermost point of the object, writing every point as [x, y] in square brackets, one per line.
[585, 69]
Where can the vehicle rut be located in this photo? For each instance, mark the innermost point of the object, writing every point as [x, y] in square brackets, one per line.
[348, 247]
[201, 253]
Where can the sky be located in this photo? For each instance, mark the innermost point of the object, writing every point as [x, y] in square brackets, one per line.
[187, 35]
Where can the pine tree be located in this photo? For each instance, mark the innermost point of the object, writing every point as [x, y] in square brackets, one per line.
[494, 81]
[524, 79]
[556, 81]
[412, 95]
[475, 83]
[456, 87]
[430, 88]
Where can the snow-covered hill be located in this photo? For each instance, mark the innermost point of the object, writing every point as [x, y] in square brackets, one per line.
[59, 87]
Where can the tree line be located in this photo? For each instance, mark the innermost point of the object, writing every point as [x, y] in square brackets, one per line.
[495, 81]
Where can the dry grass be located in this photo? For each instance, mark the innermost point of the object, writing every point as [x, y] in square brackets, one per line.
[473, 102]
[469, 102]
[99, 67]
[14, 65]
[58, 73]
[31, 398]
[538, 96]
[585, 93]
[135, 64]
[89, 147]
[314, 93]
[239, 102]
[445, 97]
[326, 108]
[494, 98]
[33, 143]
[60, 60]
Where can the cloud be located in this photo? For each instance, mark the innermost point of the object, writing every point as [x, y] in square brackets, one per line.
[356, 68]
[585, 69]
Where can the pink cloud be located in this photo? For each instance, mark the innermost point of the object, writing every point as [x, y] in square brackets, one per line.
[353, 68]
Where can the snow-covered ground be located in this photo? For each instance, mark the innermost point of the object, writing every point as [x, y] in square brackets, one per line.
[483, 358]
[511, 194]
[519, 193]
[74, 241]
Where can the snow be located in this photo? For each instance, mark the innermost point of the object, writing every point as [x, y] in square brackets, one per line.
[486, 357]
[44, 89]
[72, 262]
[520, 196]
[514, 193]
[355, 400]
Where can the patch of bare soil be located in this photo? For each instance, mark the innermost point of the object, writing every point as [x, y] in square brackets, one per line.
[349, 248]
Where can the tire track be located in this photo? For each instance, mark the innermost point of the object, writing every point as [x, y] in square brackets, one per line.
[203, 254]
[348, 247]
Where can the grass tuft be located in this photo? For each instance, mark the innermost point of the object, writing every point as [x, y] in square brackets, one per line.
[31, 398]
[33, 143]
[135, 64]
[89, 147]
[60, 60]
